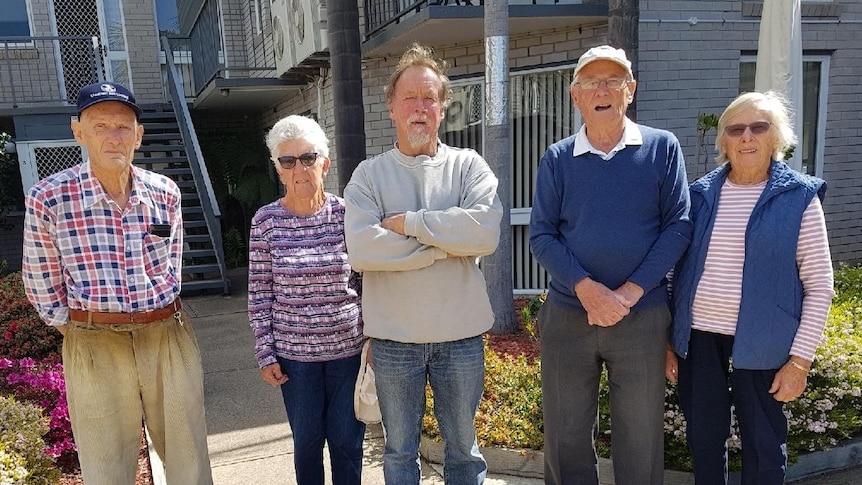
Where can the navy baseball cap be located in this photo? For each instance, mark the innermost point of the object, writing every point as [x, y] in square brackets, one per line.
[106, 91]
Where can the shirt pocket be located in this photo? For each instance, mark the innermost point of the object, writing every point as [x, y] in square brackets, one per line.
[156, 254]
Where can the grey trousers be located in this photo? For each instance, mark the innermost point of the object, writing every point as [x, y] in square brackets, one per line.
[573, 353]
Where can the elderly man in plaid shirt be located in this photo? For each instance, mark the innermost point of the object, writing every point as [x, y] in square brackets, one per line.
[102, 255]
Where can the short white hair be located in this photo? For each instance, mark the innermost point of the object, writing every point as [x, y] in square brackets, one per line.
[296, 127]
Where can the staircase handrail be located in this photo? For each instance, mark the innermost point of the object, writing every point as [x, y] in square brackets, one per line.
[196, 159]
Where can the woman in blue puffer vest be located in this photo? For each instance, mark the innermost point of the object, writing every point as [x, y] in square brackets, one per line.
[750, 295]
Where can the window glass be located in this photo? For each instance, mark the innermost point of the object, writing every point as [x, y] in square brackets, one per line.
[14, 21]
[114, 23]
[166, 12]
[811, 90]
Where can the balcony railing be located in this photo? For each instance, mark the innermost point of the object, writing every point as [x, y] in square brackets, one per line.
[50, 70]
[380, 14]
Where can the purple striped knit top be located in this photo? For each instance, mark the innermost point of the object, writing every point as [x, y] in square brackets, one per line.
[303, 303]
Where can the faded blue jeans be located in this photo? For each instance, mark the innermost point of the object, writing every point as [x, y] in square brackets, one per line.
[456, 372]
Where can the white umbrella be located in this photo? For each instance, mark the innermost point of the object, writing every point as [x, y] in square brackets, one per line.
[779, 59]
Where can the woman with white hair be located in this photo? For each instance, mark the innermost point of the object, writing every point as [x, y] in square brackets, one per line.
[304, 306]
[750, 295]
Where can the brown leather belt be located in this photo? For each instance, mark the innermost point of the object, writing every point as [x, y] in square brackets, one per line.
[136, 317]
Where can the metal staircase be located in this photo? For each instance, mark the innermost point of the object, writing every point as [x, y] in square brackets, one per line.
[163, 150]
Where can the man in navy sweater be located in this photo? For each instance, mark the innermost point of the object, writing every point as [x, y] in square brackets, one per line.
[609, 220]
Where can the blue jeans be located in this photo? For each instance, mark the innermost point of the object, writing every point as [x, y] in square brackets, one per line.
[318, 397]
[456, 372]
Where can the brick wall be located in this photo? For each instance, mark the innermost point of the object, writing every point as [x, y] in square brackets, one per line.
[143, 45]
[686, 68]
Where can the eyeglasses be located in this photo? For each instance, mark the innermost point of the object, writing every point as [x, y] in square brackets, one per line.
[757, 128]
[611, 83]
[289, 161]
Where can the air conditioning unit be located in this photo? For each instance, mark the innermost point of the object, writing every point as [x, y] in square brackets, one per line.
[298, 30]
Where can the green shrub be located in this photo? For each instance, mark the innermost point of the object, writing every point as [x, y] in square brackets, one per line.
[848, 284]
[235, 249]
[530, 314]
[831, 407]
[22, 456]
[510, 412]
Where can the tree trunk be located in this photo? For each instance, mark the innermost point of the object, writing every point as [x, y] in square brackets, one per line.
[623, 16]
[345, 57]
[498, 266]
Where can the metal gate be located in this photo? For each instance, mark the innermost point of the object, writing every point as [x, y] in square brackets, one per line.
[39, 159]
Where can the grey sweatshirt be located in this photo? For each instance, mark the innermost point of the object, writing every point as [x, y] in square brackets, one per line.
[424, 286]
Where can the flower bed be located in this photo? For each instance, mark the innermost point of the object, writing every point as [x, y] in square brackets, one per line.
[31, 378]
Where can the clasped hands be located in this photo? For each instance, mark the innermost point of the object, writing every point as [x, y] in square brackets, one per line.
[606, 307]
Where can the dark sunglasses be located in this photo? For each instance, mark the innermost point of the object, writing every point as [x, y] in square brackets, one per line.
[757, 128]
[289, 161]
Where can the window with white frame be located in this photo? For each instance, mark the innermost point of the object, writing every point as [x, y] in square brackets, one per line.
[815, 81]
[15, 21]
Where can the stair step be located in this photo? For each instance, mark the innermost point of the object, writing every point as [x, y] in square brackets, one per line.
[151, 160]
[193, 209]
[161, 126]
[161, 147]
[200, 268]
[194, 224]
[149, 137]
[198, 253]
[198, 285]
[173, 171]
[196, 238]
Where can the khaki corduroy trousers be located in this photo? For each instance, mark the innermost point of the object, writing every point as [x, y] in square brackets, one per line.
[118, 374]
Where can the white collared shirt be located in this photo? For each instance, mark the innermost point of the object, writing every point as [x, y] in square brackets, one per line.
[631, 136]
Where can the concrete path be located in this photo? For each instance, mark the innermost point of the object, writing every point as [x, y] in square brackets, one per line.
[249, 438]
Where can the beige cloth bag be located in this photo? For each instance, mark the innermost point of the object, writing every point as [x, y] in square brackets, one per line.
[365, 403]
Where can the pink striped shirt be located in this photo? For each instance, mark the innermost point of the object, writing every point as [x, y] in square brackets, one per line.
[719, 292]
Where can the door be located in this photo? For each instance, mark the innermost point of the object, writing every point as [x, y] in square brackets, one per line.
[114, 45]
[75, 22]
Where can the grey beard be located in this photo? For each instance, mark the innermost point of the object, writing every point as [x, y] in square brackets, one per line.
[417, 140]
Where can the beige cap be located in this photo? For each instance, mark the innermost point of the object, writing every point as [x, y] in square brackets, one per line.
[604, 53]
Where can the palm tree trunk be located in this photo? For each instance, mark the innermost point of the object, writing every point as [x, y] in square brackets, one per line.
[345, 57]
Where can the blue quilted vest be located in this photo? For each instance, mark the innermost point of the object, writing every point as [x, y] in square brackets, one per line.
[771, 304]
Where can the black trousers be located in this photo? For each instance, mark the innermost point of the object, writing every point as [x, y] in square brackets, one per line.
[708, 388]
